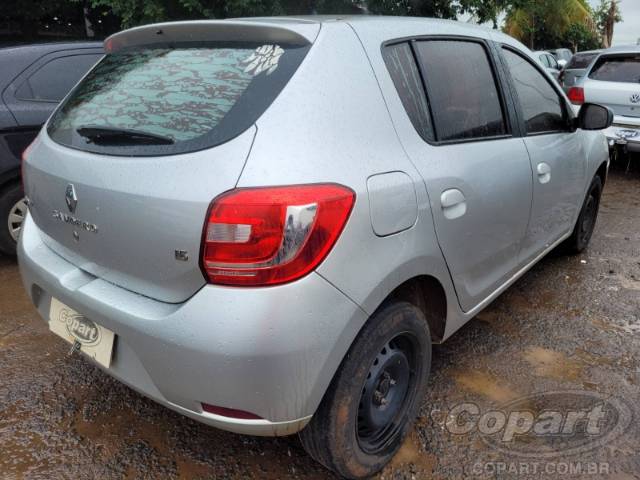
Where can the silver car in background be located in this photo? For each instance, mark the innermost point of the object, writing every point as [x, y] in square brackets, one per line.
[264, 224]
[562, 55]
[614, 80]
[550, 63]
[577, 68]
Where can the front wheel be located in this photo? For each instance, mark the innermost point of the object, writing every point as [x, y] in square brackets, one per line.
[375, 396]
[583, 231]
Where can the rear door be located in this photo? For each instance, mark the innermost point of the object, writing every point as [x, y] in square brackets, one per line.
[476, 170]
[614, 81]
[556, 152]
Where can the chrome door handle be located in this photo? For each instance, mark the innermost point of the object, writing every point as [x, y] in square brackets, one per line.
[454, 203]
[544, 173]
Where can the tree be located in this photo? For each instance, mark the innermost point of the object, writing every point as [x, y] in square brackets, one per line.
[582, 38]
[545, 23]
[607, 15]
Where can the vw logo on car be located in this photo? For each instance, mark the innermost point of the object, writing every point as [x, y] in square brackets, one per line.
[635, 98]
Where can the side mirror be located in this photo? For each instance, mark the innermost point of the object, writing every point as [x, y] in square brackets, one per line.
[594, 117]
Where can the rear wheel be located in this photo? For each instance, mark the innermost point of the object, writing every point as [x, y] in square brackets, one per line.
[583, 231]
[13, 209]
[375, 396]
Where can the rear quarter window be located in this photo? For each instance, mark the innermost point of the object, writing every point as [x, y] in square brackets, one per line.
[191, 96]
[619, 68]
[52, 81]
[406, 77]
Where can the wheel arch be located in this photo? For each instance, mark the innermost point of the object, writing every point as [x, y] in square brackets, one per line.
[427, 294]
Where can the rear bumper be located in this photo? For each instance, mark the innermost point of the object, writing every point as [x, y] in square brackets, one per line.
[624, 132]
[268, 351]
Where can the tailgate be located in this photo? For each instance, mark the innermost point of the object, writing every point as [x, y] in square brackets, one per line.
[131, 216]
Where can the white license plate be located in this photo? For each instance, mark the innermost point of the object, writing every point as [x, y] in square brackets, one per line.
[92, 339]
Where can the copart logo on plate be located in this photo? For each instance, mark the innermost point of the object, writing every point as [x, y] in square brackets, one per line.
[544, 425]
[80, 328]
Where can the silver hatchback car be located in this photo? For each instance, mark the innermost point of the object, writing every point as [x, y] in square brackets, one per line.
[614, 80]
[264, 224]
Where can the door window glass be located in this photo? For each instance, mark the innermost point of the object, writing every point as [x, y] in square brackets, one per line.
[462, 90]
[542, 107]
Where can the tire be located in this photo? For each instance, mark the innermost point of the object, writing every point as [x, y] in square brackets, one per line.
[354, 432]
[11, 203]
[583, 230]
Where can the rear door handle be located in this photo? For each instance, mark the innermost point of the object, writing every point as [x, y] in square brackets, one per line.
[544, 173]
[454, 203]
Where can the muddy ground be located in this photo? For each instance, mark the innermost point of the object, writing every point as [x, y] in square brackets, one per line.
[572, 323]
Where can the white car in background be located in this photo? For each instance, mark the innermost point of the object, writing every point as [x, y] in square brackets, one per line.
[614, 80]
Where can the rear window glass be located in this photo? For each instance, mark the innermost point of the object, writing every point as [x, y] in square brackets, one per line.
[158, 101]
[625, 69]
[580, 61]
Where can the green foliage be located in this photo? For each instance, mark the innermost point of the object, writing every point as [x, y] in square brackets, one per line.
[546, 23]
[581, 37]
[136, 12]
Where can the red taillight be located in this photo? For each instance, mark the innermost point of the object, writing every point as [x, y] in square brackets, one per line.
[230, 412]
[576, 95]
[272, 235]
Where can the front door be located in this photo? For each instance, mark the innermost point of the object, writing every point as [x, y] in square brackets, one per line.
[557, 156]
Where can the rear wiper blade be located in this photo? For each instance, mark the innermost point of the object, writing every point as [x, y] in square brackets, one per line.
[121, 136]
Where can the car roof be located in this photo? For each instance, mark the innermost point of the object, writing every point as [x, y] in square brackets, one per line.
[622, 49]
[402, 26]
[44, 48]
[372, 29]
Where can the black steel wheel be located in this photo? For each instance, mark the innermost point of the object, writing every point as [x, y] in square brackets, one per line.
[375, 395]
[583, 231]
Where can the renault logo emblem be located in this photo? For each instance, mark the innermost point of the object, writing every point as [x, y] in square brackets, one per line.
[635, 98]
[71, 198]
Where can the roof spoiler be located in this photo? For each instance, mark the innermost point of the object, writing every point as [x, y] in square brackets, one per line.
[292, 33]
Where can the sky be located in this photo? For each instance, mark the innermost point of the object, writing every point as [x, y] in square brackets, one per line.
[628, 31]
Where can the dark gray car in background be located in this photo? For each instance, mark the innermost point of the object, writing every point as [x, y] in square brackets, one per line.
[577, 68]
[33, 80]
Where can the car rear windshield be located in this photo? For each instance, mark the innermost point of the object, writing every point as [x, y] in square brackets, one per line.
[621, 68]
[581, 60]
[163, 100]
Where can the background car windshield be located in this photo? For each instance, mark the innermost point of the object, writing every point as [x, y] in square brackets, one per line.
[624, 69]
[581, 61]
[196, 96]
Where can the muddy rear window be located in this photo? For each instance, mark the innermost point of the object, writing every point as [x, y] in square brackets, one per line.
[168, 100]
[619, 68]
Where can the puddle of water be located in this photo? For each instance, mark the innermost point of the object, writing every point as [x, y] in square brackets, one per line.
[550, 363]
[486, 385]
